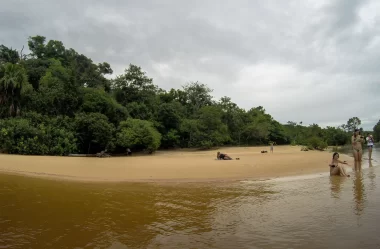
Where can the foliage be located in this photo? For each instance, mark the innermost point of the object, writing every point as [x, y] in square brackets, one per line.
[22, 136]
[376, 132]
[13, 80]
[94, 132]
[98, 100]
[8, 55]
[352, 124]
[316, 143]
[138, 134]
[57, 94]
[56, 101]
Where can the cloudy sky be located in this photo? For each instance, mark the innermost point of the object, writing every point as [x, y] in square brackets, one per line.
[315, 61]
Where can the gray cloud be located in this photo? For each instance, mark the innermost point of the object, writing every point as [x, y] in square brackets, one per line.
[310, 61]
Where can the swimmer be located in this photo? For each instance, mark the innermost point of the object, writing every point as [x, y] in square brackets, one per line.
[356, 141]
[335, 168]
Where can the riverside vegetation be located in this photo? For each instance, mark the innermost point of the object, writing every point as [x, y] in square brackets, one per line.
[56, 101]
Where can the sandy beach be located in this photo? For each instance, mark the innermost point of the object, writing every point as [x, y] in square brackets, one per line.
[175, 165]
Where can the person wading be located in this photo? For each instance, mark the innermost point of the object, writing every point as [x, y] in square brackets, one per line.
[370, 143]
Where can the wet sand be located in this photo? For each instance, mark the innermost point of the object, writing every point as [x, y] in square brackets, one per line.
[175, 165]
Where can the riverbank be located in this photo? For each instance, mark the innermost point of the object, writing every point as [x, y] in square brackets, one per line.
[175, 165]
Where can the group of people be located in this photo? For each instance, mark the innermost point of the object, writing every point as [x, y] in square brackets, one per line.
[336, 165]
[357, 140]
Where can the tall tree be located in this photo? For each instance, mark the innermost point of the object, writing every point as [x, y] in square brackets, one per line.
[37, 46]
[376, 131]
[8, 55]
[195, 96]
[13, 80]
[352, 124]
[134, 86]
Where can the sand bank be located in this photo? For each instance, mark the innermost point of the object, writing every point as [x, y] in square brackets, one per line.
[175, 165]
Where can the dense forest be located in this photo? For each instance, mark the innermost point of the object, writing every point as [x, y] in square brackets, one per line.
[56, 101]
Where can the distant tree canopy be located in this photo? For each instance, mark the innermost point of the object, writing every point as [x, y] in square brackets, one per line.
[376, 132]
[56, 101]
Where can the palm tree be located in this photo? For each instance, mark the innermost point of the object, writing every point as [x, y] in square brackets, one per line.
[12, 79]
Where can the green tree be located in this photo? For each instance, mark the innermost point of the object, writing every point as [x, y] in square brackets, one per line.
[36, 69]
[207, 130]
[94, 132]
[352, 124]
[57, 93]
[31, 137]
[277, 133]
[13, 80]
[376, 132]
[134, 86]
[37, 46]
[138, 135]
[316, 143]
[169, 118]
[194, 96]
[335, 136]
[234, 117]
[97, 100]
[8, 55]
[257, 128]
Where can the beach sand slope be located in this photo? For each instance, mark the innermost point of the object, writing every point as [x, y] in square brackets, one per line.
[175, 165]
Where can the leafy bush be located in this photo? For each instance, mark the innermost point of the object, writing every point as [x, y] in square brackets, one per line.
[21, 136]
[97, 100]
[93, 131]
[316, 143]
[138, 134]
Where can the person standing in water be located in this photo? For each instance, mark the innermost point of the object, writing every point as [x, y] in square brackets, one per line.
[335, 168]
[356, 141]
[370, 143]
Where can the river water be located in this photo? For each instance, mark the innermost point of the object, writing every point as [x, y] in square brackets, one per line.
[305, 212]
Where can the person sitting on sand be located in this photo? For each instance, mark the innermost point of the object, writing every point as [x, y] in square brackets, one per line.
[335, 168]
[222, 156]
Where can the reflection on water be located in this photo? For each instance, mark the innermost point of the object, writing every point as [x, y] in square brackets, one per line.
[336, 185]
[319, 212]
[359, 193]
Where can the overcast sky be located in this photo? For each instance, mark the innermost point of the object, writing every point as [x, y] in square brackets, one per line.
[302, 60]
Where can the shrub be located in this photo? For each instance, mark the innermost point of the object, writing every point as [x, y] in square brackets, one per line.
[316, 143]
[94, 132]
[138, 134]
[21, 136]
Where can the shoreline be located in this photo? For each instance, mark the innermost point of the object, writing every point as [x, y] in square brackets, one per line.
[174, 166]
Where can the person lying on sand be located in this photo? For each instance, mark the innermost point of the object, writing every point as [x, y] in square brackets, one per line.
[223, 156]
[335, 168]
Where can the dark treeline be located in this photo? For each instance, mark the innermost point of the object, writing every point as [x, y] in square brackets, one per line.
[55, 101]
